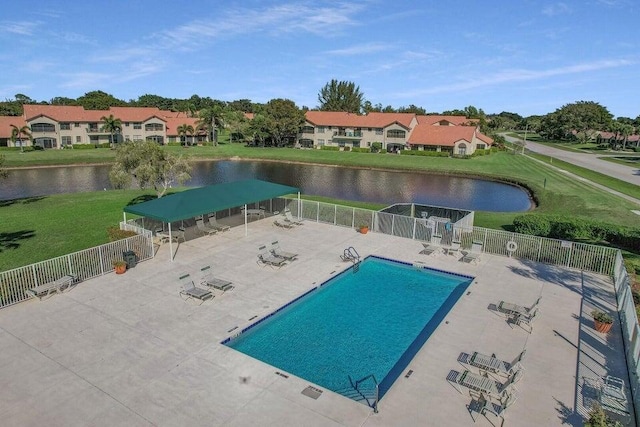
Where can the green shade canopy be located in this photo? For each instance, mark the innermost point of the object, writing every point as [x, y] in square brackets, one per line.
[200, 201]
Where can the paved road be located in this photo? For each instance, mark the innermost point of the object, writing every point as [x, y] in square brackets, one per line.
[589, 161]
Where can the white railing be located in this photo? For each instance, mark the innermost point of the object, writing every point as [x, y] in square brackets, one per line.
[630, 328]
[84, 264]
[582, 256]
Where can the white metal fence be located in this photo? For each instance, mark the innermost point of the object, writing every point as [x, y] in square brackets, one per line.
[630, 329]
[83, 264]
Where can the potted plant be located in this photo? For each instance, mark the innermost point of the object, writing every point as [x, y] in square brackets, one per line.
[364, 228]
[120, 266]
[599, 418]
[602, 320]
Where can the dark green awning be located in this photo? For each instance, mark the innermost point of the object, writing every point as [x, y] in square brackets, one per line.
[200, 201]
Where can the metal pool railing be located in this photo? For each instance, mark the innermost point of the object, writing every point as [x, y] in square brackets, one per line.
[84, 264]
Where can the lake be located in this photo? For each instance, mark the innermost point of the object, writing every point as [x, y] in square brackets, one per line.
[365, 185]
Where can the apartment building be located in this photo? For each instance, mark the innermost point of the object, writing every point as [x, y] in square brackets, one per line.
[56, 126]
[394, 131]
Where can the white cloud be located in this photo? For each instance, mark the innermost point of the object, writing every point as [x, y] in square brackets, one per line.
[87, 80]
[556, 9]
[361, 49]
[23, 28]
[517, 75]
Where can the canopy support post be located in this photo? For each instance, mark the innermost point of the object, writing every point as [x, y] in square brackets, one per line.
[246, 229]
[170, 244]
[299, 205]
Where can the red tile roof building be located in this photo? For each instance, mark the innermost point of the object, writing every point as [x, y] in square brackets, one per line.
[56, 126]
[394, 131]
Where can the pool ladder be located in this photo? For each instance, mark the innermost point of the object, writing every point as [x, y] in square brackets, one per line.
[350, 254]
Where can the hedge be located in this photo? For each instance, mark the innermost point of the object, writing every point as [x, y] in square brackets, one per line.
[424, 153]
[361, 150]
[330, 148]
[556, 227]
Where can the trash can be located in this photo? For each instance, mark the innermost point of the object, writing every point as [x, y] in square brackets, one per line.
[130, 258]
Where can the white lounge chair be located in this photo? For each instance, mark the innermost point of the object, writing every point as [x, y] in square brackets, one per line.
[205, 230]
[210, 280]
[283, 224]
[510, 308]
[483, 384]
[428, 249]
[267, 258]
[498, 409]
[473, 255]
[275, 250]
[524, 319]
[213, 223]
[47, 289]
[289, 218]
[190, 290]
[495, 365]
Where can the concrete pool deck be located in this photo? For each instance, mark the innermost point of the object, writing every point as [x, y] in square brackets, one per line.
[127, 350]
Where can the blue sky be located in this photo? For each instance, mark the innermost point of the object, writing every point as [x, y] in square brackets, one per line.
[523, 56]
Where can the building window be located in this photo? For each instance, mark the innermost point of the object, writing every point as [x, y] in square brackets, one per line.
[395, 133]
[462, 149]
[43, 127]
[93, 127]
[307, 129]
[321, 142]
[76, 125]
[65, 126]
[156, 138]
[126, 124]
[378, 131]
[320, 129]
[66, 140]
[78, 139]
[137, 137]
[480, 146]
[137, 125]
[150, 127]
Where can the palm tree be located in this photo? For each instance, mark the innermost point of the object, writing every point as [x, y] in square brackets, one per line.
[184, 130]
[17, 133]
[212, 118]
[111, 125]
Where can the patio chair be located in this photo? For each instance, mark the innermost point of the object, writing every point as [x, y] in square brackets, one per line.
[209, 231]
[473, 255]
[48, 288]
[213, 223]
[612, 395]
[483, 405]
[288, 218]
[524, 319]
[190, 290]
[510, 309]
[281, 224]
[483, 384]
[275, 250]
[211, 281]
[428, 249]
[453, 249]
[495, 365]
[267, 258]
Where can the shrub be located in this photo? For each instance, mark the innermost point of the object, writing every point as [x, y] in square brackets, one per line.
[346, 148]
[424, 153]
[330, 148]
[536, 225]
[601, 316]
[84, 147]
[376, 147]
[114, 233]
[174, 144]
[361, 150]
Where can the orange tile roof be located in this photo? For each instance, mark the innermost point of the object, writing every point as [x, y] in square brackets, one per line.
[6, 122]
[454, 120]
[174, 122]
[136, 114]
[484, 138]
[371, 120]
[424, 134]
[68, 113]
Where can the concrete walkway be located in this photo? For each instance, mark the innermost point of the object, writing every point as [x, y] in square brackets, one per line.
[126, 350]
[589, 161]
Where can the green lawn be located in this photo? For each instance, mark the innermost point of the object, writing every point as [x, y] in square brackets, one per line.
[36, 229]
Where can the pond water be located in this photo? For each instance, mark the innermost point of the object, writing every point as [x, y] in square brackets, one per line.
[342, 183]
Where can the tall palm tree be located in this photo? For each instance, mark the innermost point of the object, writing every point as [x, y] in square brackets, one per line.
[111, 125]
[184, 130]
[213, 119]
[17, 134]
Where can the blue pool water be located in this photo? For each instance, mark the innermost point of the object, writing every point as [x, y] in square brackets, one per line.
[356, 324]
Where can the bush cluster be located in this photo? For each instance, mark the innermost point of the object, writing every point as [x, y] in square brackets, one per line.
[84, 147]
[114, 233]
[174, 144]
[578, 229]
[330, 148]
[361, 150]
[346, 148]
[424, 153]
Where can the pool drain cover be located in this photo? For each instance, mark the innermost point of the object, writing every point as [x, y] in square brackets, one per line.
[312, 392]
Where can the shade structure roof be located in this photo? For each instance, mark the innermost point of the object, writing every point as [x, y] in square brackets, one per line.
[212, 198]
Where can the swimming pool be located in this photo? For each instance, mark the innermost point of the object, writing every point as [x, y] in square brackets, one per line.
[372, 321]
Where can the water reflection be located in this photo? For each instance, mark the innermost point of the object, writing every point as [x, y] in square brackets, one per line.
[342, 183]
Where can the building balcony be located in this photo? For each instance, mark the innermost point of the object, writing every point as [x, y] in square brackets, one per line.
[347, 135]
[95, 130]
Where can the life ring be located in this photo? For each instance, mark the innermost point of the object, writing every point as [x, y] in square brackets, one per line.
[512, 246]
